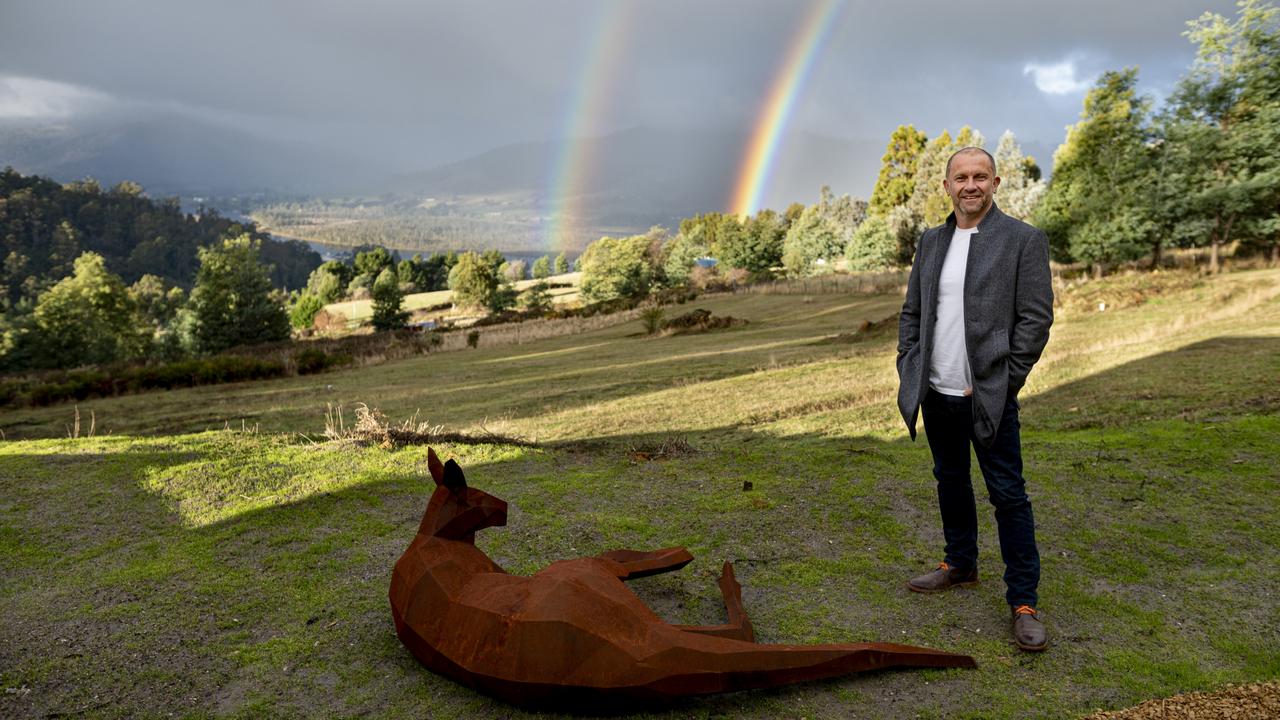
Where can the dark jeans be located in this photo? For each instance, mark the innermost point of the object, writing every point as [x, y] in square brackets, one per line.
[948, 422]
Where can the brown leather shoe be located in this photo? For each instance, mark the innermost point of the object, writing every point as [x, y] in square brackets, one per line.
[1028, 631]
[944, 578]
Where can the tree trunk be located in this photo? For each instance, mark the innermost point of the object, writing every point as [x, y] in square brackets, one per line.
[1097, 271]
[1213, 256]
[1155, 257]
[1275, 254]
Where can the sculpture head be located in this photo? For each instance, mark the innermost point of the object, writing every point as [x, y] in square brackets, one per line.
[456, 511]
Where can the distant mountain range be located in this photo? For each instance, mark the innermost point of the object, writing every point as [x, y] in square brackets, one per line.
[644, 176]
[173, 154]
[630, 179]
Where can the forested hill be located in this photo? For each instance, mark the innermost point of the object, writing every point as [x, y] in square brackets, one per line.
[45, 226]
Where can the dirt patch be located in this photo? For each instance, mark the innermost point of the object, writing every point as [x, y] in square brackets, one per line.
[698, 321]
[1259, 700]
[867, 330]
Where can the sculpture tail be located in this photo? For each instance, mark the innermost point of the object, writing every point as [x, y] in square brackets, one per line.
[746, 666]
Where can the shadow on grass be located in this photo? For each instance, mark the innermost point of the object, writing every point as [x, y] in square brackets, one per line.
[1220, 377]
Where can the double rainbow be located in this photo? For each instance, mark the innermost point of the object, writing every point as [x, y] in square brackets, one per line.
[573, 165]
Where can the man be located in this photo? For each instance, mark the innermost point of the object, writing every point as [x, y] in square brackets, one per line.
[977, 315]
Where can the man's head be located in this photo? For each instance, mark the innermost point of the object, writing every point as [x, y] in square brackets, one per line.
[971, 182]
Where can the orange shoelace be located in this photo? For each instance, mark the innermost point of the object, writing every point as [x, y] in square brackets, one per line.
[1025, 610]
[943, 566]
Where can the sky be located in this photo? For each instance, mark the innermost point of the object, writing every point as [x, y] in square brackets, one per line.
[410, 84]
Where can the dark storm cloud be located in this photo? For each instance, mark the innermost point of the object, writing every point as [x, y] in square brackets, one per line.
[414, 83]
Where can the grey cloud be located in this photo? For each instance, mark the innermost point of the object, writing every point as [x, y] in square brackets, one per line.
[415, 83]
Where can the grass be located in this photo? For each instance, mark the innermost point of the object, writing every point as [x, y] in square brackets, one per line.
[183, 565]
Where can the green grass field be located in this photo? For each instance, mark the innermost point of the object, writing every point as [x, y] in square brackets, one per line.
[206, 554]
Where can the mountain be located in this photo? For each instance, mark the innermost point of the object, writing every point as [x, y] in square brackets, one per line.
[643, 176]
[174, 154]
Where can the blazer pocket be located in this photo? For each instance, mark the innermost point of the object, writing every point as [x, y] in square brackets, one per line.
[992, 353]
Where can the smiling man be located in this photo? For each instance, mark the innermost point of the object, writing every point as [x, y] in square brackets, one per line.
[976, 318]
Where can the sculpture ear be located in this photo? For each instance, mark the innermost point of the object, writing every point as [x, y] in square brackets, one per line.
[453, 478]
[434, 465]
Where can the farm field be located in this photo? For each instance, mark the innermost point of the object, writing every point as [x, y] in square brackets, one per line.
[208, 553]
[361, 311]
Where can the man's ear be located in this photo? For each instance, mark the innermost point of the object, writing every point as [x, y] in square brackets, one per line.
[434, 465]
[453, 478]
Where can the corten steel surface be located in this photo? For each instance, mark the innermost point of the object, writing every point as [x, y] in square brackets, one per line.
[573, 635]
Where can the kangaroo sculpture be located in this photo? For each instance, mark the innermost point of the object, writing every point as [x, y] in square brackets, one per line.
[573, 635]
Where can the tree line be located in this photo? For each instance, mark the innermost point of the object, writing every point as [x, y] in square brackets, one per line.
[91, 317]
[46, 225]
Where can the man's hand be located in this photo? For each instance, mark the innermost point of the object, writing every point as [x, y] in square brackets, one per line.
[968, 392]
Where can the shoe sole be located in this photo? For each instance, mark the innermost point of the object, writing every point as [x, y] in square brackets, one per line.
[968, 583]
[1032, 648]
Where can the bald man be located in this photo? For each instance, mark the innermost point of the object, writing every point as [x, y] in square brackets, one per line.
[976, 318]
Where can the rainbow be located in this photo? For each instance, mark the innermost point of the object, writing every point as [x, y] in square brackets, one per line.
[762, 149]
[572, 167]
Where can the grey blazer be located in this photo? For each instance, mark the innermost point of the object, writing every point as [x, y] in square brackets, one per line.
[1008, 308]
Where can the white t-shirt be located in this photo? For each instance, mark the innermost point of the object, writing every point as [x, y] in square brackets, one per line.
[949, 371]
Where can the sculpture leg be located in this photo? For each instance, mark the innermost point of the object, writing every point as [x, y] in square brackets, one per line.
[739, 625]
[637, 563]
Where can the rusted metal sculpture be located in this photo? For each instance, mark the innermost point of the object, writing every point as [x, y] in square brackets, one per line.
[573, 635]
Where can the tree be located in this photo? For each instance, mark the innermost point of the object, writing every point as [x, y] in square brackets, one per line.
[329, 281]
[304, 311]
[1095, 210]
[156, 304]
[373, 262]
[515, 270]
[231, 303]
[681, 253]
[873, 246]
[757, 246]
[1021, 187]
[542, 268]
[897, 170]
[388, 301]
[536, 299]
[615, 268]
[1223, 120]
[87, 318]
[562, 264]
[820, 233]
[907, 227]
[475, 283]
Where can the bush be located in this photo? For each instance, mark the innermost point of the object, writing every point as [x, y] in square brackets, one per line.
[304, 311]
[651, 318]
[874, 246]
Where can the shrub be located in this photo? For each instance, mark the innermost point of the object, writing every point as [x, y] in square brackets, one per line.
[874, 246]
[651, 318]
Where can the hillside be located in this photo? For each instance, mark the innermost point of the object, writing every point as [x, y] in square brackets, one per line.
[207, 552]
[46, 225]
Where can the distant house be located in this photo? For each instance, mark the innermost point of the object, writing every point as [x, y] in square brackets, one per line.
[705, 262]
[423, 325]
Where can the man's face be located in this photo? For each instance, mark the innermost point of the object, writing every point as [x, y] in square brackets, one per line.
[971, 183]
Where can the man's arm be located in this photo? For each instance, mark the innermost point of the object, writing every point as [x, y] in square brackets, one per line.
[1033, 310]
[909, 318]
